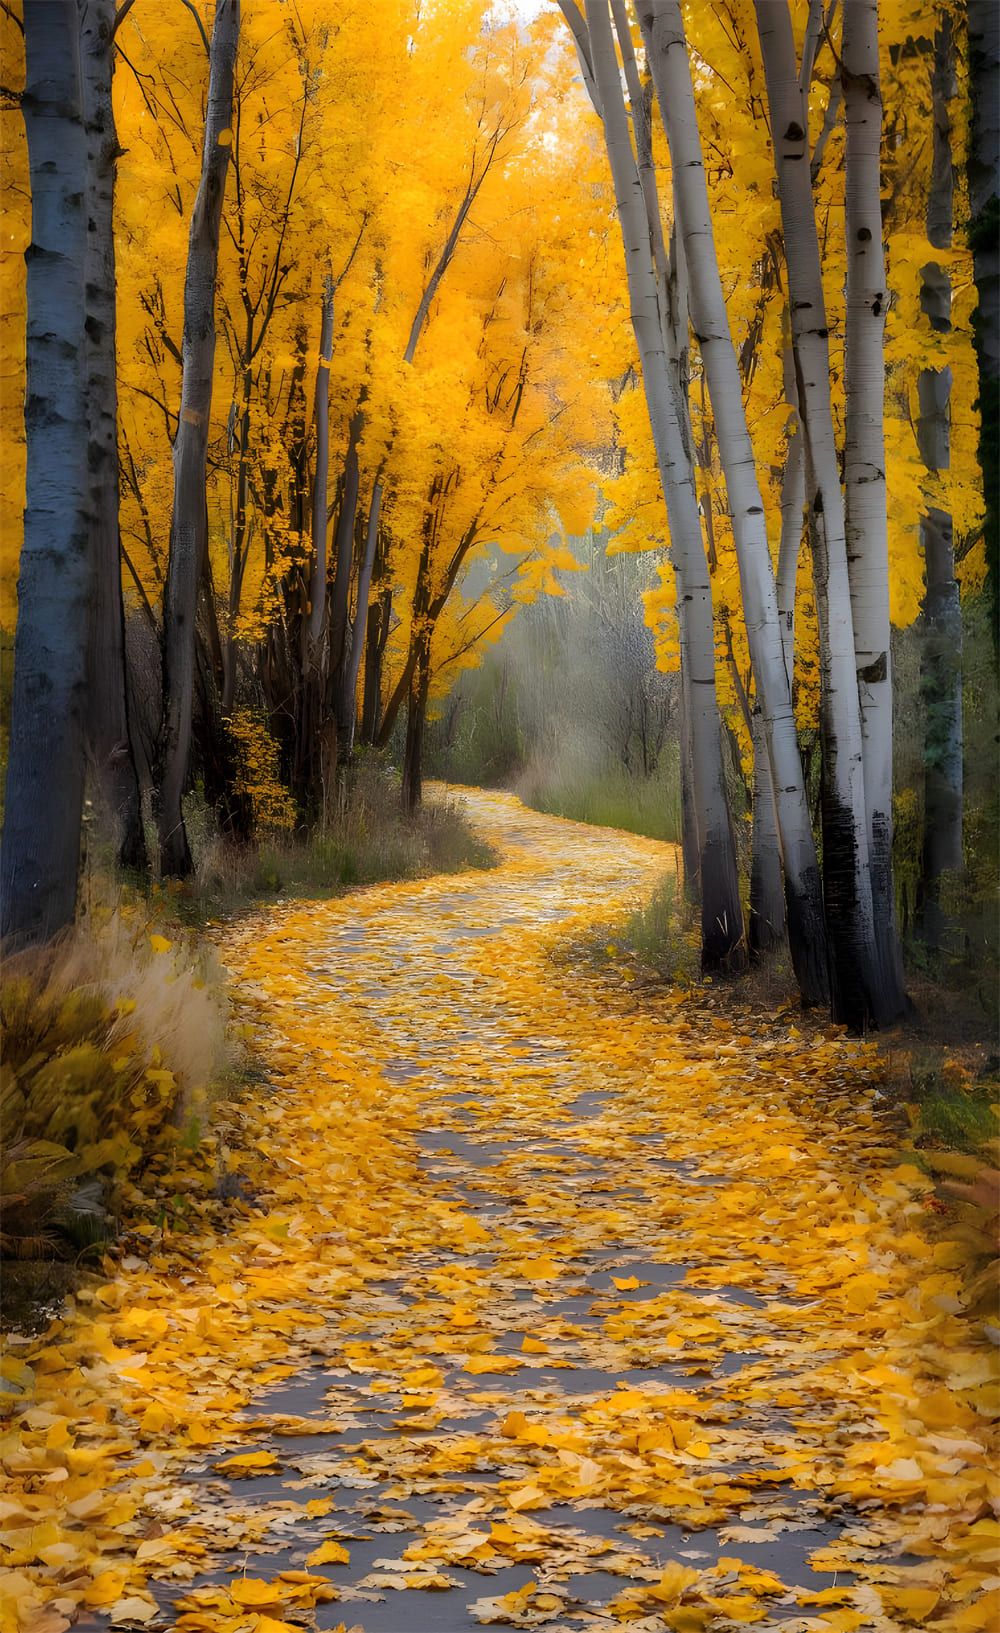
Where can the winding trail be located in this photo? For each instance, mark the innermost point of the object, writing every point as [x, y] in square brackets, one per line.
[547, 1302]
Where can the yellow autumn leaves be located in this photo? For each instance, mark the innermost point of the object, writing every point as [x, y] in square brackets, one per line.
[580, 1250]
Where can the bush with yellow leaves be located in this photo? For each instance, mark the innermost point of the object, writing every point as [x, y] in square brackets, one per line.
[109, 1041]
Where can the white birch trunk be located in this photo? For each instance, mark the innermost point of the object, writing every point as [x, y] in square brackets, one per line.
[722, 927]
[44, 797]
[667, 56]
[189, 527]
[865, 516]
[846, 876]
[793, 498]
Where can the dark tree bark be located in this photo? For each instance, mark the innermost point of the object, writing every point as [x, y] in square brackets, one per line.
[984, 238]
[941, 624]
[45, 774]
[109, 740]
[189, 526]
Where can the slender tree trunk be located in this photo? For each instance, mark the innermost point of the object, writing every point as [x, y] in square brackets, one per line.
[941, 651]
[983, 21]
[855, 986]
[376, 637]
[667, 55]
[45, 773]
[340, 595]
[865, 515]
[189, 526]
[108, 737]
[721, 914]
[345, 706]
[941, 686]
[416, 716]
[321, 477]
[766, 923]
[793, 498]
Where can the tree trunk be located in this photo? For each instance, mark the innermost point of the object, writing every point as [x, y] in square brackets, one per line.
[416, 717]
[376, 637]
[320, 523]
[941, 686]
[941, 652]
[866, 520]
[721, 914]
[345, 701]
[108, 736]
[793, 498]
[340, 594]
[984, 241]
[855, 987]
[45, 773]
[766, 922]
[189, 525]
[775, 733]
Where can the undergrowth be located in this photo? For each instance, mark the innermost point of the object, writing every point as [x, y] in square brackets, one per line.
[114, 1040]
[610, 798]
[366, 839]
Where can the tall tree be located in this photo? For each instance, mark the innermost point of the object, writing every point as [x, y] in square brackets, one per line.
[856, 996]
[667, 57]
[45, 774]
[189, 525]
[984, 238]
[108, 735]
[866, 524]
[659, 319]
[941, 647]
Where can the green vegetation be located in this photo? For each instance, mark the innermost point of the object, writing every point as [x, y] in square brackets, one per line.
[366, 838]
[569, 710]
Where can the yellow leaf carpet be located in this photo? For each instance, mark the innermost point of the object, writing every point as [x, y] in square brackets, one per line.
[544, 1302]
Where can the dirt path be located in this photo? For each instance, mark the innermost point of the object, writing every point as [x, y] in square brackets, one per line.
[548, 1305]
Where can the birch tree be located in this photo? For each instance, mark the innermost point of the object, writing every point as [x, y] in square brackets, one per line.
[661, 338]
[45, 773]
[865, 517]
[667, 57]
[855, 987]
[189, 527]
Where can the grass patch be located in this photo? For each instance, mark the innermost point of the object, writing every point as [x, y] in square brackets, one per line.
[366, 840]
[612, 799]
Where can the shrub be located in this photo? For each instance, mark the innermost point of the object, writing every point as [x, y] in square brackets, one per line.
[110, 1041]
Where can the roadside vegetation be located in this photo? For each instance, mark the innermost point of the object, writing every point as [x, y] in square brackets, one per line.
[116, 1039]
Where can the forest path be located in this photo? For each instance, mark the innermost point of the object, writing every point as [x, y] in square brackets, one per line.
[551, 1303]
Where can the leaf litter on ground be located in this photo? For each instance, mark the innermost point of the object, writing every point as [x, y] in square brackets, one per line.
[594, 1282]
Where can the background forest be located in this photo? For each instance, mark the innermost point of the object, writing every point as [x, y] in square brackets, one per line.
[595, 401]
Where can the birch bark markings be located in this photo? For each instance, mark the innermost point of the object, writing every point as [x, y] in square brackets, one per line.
[189, 526]
[865, 517]
[721, 914]
[45, 772]
[667, 56]
[846, 874]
